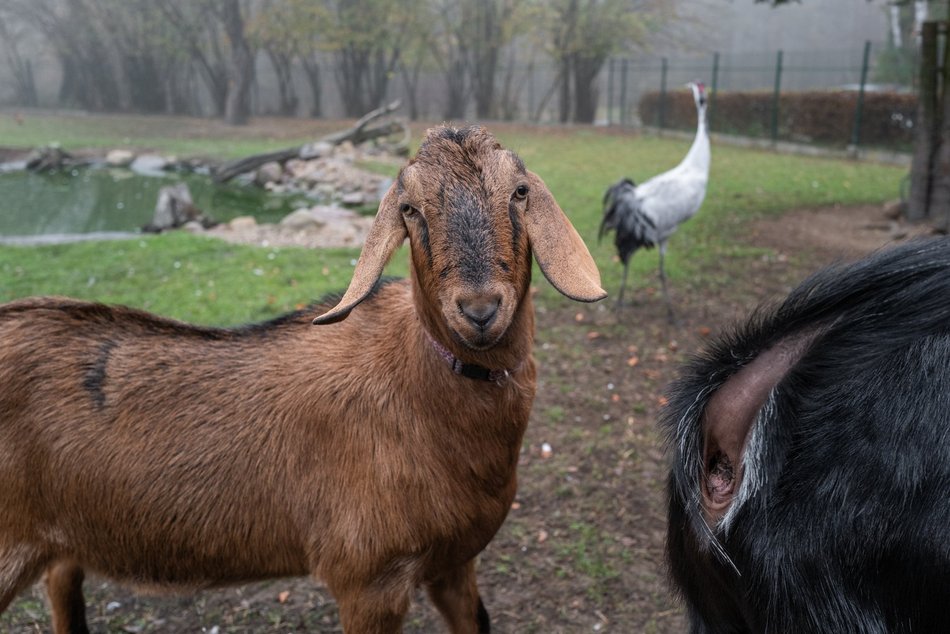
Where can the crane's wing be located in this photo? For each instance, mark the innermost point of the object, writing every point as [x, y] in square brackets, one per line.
[625, 214]
[672, 198]
[614, 203]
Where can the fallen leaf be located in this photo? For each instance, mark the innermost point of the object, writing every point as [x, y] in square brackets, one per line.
[632, 361]
[615, 398]
[515, 506]
[593, 334]
[663, 401]
[542, 536]
[579, 317]
[283, 596]
[704, 331]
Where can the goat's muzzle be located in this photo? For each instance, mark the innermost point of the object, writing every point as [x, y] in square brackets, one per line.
[480, 318]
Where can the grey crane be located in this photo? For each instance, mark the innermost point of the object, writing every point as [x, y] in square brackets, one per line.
[646, 215]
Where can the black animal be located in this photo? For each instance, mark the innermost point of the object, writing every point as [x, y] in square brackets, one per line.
[810, 485]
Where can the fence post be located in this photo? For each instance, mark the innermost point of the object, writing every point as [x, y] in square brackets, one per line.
[714, 88]
[859, 108]
[661, 114]
[775, 96]
[623, 91]
[610, 91]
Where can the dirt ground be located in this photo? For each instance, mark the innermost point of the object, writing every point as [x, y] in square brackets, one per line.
[582, 549]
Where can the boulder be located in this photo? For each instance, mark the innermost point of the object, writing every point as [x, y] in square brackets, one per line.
[149, 165]
[268, 173]
[316, 150]
[327, 214]
[119, 158]
[353, 199]
[175, 209]
[242, 222]
[300, 220]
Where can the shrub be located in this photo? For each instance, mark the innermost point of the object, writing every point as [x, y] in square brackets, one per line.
[824, 117]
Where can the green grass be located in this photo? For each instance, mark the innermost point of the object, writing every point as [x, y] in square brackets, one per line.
[180, 275]
[744, 185]
[214, 282]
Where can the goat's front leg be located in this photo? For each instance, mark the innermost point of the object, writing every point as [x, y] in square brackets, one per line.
[456, 595]
[64, 587]
[372, 610]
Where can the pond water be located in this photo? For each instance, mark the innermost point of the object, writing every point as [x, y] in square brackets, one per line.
[98, 200]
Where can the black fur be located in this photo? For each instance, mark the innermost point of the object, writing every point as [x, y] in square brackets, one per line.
[484, 622]
[470, 234]
[850, 531]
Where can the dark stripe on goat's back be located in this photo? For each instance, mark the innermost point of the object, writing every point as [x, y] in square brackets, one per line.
[96, 375]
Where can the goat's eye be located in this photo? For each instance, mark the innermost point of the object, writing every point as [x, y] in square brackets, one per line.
[408, 210]
[521, 192]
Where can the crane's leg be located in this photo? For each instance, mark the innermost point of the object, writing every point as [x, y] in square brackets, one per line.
[666, 295]
[623, 284]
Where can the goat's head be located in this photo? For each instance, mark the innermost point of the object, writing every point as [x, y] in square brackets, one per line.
[473, 215]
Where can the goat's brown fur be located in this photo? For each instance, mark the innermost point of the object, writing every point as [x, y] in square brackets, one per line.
[164, 454]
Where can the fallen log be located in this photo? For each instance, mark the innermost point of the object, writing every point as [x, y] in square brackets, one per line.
[360, 132]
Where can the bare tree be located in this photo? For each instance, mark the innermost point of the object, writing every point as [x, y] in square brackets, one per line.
[20, 67]
[584, 33]
[367, 38]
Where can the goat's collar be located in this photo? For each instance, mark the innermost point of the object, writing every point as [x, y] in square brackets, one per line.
[470, 370]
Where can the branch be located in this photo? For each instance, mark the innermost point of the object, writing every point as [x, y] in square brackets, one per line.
[361, 132]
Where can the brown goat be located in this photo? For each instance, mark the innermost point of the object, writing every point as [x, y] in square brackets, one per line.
[169, 455]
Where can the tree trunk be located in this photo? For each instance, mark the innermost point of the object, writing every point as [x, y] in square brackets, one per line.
[237, 105]
[352, 67]
[485, 59]
[410, 79]
[455, 82]
[564, 103]
[287, 93]
[312, 68]
[585, 91]
[918, 202]
[938, 211]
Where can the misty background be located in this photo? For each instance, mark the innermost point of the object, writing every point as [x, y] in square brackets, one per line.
[488, 59]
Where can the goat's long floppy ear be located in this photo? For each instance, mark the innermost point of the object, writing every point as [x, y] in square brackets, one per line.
[386, 235]
[559, 250]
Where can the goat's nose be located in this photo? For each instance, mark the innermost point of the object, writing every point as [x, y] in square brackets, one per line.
[480, 310]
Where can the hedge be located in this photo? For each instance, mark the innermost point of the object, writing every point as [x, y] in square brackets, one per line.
[824, 117]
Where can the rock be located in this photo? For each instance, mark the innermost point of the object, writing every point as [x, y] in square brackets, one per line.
[894, 209]
[353, 199]
[300, 220]
[175, 209]
[331, 213]
[193, 226]
[242, 222]
[382, 187]
[325, 191]
[47, 159]
[119, 158]
[149, 165]
[316, 150]
[268, 173]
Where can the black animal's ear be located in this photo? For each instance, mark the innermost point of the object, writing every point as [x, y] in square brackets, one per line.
[386, 235]
[559, 250]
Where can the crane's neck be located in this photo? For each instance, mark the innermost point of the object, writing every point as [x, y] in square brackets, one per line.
[699, 154]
